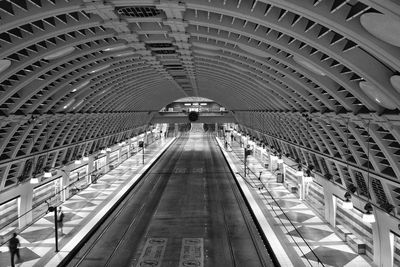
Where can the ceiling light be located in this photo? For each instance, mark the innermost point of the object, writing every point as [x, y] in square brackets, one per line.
[309, 65]
[60, 53]
[108, 149]
[395, 81]
[85, 158]
[205, 46]
[252, 50]
[383, 26]
[115, 48]
[103, 151]
[376, 94]
[80, 86]
[100, 68]
[69, 103]
[78, 161]
[125, 54]
[205, 52]
[4, 64]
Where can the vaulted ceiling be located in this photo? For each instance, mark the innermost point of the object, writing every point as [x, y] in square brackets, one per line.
[317, 79]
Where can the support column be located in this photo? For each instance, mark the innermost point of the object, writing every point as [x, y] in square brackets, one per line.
[330, 203]
[383, 238]
[65, 171]
[25, 204]
[107, 166]
[302, 185]
[90, 168]
[129, 143]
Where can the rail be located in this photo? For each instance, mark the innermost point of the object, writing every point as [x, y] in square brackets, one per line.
[254, 186]
[41, 208]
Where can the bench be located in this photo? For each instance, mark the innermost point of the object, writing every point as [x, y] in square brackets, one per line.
[343, 233]
[357, 244]
[291, 187]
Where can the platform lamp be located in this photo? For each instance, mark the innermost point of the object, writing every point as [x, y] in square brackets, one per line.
[368, 216]
[347, 204]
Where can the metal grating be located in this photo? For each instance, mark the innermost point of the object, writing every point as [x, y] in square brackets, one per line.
[138, 12]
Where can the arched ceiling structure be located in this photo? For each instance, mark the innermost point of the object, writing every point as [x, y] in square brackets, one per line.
[317, 79]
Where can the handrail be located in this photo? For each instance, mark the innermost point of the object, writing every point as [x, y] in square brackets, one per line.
[3, 242]
[277, 204]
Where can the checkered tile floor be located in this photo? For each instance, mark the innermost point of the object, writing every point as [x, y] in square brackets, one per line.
[296, 219]
[37, 241]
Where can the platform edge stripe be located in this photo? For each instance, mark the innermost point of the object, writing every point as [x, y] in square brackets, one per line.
[277, 247]
[55, 260]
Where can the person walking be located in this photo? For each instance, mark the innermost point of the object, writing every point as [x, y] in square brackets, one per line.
[13, 245]
[60, 219]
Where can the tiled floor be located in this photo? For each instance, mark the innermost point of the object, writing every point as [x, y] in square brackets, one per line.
[37, 241]
[293, 218]
[297, 221]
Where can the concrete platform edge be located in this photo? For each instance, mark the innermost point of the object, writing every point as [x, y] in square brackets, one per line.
[93, 224]
[273, 240]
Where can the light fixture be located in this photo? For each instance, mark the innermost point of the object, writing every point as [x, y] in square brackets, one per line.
[103, 151]
[347, 204]
[100, 68]
[81, 85]
[280, 160]
[308, 64]
[35, 180]
[78, 161]
[125, 54]
[4, 64]
[60, 53]
[46, 172]
[115, 48]
[85, 158]
[108, 149]
[367, 215]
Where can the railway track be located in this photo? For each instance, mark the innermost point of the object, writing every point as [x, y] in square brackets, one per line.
[188, 195]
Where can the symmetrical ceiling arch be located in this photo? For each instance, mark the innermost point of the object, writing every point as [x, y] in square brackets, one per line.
[317, 79]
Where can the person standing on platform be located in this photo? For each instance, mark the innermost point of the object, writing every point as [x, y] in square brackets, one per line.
[60, 219]
[13, 245]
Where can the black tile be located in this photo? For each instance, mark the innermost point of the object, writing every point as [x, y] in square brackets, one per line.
[310, 233]
[285, 203]
[79, 205]
[68, 216]
[330, 256]
[38, 235]
[25, 253]
[295, 216]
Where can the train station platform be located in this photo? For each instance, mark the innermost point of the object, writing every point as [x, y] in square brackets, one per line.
[297, 234]
[305, 238]
[82, 212]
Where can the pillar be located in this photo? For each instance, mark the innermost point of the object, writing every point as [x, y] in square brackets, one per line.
[90, 168]
[107, 167]
[330, 203]
[65, 171]
[302, 185]
[129, 143]
[383, 238]
[25, 204]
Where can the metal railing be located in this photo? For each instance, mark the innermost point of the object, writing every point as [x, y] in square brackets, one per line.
[248, 179]
[40, 209]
